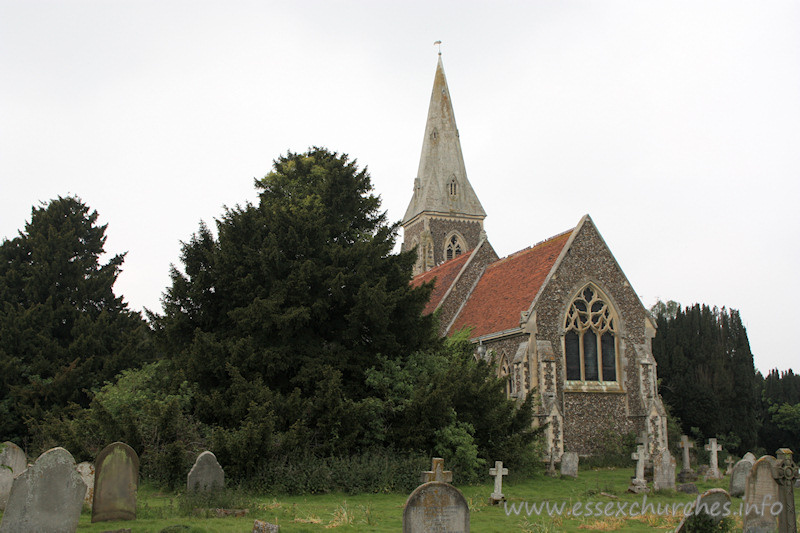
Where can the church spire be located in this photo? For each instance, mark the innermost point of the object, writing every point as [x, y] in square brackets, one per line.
[441, 187]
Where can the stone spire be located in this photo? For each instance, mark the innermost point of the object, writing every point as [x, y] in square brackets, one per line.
[441, 187]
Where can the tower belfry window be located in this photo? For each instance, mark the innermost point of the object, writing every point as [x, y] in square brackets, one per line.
[454, 247]
[452, 187]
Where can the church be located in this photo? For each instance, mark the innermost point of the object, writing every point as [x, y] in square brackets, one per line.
[559, 319]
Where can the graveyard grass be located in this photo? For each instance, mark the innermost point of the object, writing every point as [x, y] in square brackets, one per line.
[383, 512]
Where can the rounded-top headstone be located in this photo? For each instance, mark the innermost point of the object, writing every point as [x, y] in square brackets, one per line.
[116, 479]
[206, 474]
[739, 477]
[749, 457]
[436, 506]
[12, 463]
[47, 496]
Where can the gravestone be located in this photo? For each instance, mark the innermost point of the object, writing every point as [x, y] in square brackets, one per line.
[206, 474]
[664, 471]
[47, 496]
[638, 484]
[760, 495]
[498, 472]
[12, 463]
[551, 465]
[785, 474]
[750, 457]
[436, 506]
[713, 467]
[708, 510]
[86, 470]
[739, 477]
[686, 473]
[115, 483]
[569, 464]
[437, 472]
[729, 465]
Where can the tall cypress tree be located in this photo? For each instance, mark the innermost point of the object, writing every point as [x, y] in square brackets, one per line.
[63, 331]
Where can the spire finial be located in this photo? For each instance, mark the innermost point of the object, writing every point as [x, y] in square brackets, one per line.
[439, 44]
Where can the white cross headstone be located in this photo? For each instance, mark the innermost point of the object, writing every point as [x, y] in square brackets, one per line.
[498, 472]
[729, 461]
[638, 484]
[713, 469]
[685, 444]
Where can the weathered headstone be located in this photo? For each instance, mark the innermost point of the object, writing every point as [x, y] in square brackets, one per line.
[12, 463]
[437, 472]
[785, 474]
[686, 473]
[638, 484]
[86, 470]
[206, 474]
[664, 471]
[739, 477]
[710, 508]
[760, 495]
[498, 472]
[115, 483]
[436, 506]
[569, 464]
[750, 457]
[713, 466]
[260, 526]
[729, 465]
[551, 465]
[47, 496]
[687, 488]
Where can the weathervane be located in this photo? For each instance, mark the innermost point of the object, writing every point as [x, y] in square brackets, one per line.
[439, 44]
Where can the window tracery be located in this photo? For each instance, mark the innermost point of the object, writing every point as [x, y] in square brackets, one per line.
[590, 340]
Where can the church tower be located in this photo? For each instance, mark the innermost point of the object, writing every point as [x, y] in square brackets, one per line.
[444, 218]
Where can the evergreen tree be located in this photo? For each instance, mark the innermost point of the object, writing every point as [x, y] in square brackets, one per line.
[63, 331]
[707, 372]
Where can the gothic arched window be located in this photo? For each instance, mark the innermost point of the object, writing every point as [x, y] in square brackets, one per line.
[590, 345]
[454, 248]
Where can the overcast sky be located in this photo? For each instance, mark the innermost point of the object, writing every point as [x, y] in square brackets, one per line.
[674, 124]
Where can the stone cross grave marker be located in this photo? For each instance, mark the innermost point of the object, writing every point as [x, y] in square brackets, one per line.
[48, 496]
[86, 470]
[437, 472]
[729, 462]
[739, 477]
[436, 506]
[498, 472]
[638, 484]
[551, 465]
[785, 473]
[12, 463]
[206, 474]
[569, 464]
[713, 467]
[712, 503]
[685, 444]
[664, 470]
[761, 493]
[115, 483]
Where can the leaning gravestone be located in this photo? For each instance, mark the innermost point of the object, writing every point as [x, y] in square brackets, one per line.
[710, 508]
[47, 497]
[760, 495]
[115, 483]
[569, 464]
[663, 471]
[206, 474]
[86, 470]
[739, 477]
[436, 506]
[12, 463]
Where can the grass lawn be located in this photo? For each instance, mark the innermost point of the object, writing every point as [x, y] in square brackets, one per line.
[383, 512]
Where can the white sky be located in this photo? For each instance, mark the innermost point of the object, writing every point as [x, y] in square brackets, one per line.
[674, 124]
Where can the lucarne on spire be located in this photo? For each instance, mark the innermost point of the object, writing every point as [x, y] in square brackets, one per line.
[441, 186]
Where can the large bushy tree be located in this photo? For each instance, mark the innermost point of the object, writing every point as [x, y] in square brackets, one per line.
[707, 373]
[298, 327]
[63, 331]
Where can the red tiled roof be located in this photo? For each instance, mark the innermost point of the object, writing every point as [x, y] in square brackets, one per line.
[508, 287]
[444, 276]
